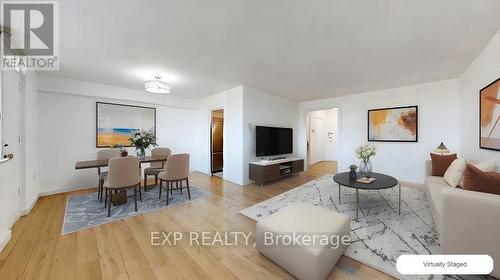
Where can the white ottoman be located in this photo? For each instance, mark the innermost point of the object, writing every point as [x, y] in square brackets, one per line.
[303, 259]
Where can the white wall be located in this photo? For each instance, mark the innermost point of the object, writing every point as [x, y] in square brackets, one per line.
[265, 109]
[244, 108]
[55, 84]
[10, 171]
[232, 103]
[66, 132]
[29, 139]
[439, 121]
[483, 70]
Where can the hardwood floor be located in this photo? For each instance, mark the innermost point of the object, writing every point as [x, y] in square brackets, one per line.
[122, 250]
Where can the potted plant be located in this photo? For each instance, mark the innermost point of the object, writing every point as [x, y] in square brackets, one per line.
[121, 147]
[142, 140]
[364, 153]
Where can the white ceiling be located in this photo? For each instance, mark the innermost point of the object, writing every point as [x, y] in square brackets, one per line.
[298, 49]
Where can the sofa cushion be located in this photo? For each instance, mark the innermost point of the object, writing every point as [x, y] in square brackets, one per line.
[455, 172]
[434, 180]
[440, 163]
[486, 166]
[477, 180]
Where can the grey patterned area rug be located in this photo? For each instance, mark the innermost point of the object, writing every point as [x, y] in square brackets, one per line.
[85, 211]
[380, 235]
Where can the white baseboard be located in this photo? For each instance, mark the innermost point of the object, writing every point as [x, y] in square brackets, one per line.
[14, 219]
[5, 240]
[58, 191]
[27, 210]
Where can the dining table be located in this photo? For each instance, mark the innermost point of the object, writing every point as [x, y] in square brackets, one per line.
[98, 163]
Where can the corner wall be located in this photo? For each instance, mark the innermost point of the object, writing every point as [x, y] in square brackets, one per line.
[232, 102]
[439, 121]
[261, 108]
[483, 70]
[244, 108]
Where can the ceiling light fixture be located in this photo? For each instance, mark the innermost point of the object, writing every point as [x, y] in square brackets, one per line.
[157, 86]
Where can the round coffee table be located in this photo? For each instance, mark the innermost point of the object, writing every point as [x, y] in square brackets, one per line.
[382, 182]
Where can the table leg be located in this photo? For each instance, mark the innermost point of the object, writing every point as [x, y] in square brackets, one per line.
[339, 193]
[357, 204]
[399, 198]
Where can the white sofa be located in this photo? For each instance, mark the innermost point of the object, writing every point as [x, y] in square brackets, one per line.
[468, 222]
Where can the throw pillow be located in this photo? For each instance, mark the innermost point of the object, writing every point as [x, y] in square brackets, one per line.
[486, 166]
[455, 172]
[440, 163]
[479, 181]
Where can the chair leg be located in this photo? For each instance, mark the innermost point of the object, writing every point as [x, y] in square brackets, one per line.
[189, 192]
[135, 197]
[102, 189]
[180, 183]
[140, 192]
[171, 187]
[145, 182]
[156, 180]
[168, 186]
[110, 199]
[99, 190]
[161, 187]
[106, 199]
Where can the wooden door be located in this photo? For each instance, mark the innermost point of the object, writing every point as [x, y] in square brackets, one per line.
[217, 141]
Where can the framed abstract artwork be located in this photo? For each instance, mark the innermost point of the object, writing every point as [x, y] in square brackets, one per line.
[116, 123]
[396, 124]
[489, 116]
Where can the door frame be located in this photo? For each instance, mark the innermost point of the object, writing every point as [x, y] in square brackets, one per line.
[339, 132]
[209, 142]
[21, 140]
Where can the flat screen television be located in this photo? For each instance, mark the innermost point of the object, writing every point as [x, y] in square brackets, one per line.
[273, 141]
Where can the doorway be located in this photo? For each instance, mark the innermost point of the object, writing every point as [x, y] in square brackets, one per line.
[323, 136]
[217, 143]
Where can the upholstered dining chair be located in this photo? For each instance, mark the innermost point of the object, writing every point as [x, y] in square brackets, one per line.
[176, 171]
[104, 154]
[123, 174]
[156, 167]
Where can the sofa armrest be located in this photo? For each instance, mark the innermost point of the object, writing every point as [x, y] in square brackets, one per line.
[470, 224]
[428, 168]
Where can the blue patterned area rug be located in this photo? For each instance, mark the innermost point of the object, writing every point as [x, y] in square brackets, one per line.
[85, 211]
[381, 235]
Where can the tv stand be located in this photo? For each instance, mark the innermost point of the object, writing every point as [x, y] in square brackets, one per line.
[269, 170]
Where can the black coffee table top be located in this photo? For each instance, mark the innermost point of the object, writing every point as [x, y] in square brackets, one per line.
[383, 181]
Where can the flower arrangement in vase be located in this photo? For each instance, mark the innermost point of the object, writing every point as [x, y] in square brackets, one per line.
[142, 140]
[364, 153]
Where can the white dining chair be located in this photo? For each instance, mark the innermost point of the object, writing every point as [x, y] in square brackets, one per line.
[156, 167]
[101, 175]
[176, 171]
[123, 174]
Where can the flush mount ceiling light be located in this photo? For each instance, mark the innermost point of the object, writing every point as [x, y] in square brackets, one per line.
[157, 86]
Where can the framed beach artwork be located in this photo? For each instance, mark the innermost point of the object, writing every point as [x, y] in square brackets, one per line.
[116, 123]
[397, 124]
[489, 116]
